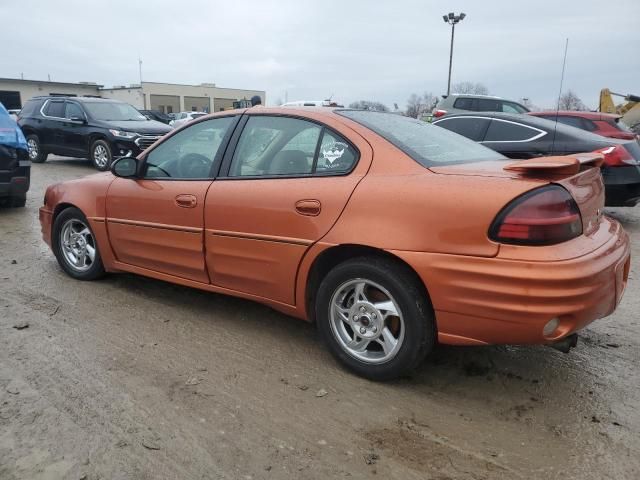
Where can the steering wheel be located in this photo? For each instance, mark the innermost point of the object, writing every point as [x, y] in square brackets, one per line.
[194, 165]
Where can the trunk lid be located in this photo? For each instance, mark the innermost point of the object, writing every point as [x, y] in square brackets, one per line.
[579, 174]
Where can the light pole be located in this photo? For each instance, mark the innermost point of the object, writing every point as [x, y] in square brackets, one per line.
[452, 19]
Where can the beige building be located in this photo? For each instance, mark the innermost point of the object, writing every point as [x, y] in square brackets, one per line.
[14, 92]
[165, 97]
[173, 97]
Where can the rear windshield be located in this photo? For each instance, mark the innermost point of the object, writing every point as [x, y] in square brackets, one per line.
[427, 144]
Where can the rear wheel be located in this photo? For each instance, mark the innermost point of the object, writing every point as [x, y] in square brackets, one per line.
[375, 317]
[36, 154]
[100, 154]
[75, 246]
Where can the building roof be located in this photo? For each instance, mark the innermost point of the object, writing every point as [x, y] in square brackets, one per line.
[75, 84]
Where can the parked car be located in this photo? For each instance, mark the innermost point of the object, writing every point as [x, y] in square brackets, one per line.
[86, 127]
[157, 115]
[185, 117]
[604, 124]
[388, 232]
[525, 136]
[15, 167]
[461, 103]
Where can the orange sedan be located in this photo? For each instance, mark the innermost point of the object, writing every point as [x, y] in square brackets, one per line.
[391, 234]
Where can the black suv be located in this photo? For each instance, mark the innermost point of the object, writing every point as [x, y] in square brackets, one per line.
[97, 128]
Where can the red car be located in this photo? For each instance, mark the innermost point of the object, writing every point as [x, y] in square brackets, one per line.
[604, 124]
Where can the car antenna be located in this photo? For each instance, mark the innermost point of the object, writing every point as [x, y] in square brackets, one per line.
[555, 127]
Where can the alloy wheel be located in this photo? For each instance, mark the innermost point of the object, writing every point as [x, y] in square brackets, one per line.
[366, 321]
[78, 245]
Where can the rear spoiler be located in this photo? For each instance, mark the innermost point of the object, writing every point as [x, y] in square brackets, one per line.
[556, 165]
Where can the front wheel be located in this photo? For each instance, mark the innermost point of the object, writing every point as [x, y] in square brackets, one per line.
[100, 154]
[75, 246]
[375, 317]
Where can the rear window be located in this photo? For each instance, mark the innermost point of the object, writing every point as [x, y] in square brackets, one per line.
[30, 108]
[427, 144]
[464, 104]
[55, 108]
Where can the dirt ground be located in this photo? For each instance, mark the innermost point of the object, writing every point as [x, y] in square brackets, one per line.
[132, 378]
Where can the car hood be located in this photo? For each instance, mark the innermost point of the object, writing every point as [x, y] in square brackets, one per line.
[142, 126]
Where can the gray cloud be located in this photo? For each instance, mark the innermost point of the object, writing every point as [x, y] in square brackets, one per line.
[311, 49]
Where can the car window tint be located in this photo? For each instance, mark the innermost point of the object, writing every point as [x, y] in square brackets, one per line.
[470, 127]
[275, 146]
[503, 131]
[335, 154]
[488, 105]
[464, 103]
[55, 109]
[427, 144]
[189, 153]
[73, 110]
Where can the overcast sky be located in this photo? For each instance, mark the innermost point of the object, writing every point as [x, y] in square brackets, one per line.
[309, 50]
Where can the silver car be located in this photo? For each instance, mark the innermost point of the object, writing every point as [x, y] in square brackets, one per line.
[464, 103]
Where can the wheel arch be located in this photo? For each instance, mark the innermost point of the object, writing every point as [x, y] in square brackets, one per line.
[333, 256]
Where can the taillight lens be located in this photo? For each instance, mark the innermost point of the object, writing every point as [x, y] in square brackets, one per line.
[617, 156]
[439, 113]
[543, 216]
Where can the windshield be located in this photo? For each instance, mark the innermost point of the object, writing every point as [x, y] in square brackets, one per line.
[427, 144]
[113, 111]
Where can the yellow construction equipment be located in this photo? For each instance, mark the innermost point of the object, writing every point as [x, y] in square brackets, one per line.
[630, 110]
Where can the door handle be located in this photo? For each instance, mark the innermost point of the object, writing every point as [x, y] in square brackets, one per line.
[310, 208]
[186, 201]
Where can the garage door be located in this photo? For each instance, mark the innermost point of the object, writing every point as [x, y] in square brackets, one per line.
[165, 103]
[10, 100]
[197, 104]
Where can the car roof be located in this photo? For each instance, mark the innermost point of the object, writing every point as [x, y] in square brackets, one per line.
[581, 114]
[78, 99]
[472, 95]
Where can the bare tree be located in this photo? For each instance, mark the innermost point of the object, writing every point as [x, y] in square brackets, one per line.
[570, 101]
[369, 105]
[470, 88]
[419, 105]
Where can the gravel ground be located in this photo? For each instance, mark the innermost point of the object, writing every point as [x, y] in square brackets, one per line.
[132, 378]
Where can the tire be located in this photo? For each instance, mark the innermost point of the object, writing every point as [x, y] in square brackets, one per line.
[65, 246]
[36, 154]
[403, 309]
[18, 201]
[100, 155]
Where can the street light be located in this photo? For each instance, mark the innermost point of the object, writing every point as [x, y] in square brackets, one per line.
[452, 19]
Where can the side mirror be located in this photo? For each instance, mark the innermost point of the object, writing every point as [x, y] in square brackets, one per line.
[125, 167]
[78, 119]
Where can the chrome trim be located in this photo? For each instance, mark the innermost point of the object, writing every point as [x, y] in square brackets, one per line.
[146, 140]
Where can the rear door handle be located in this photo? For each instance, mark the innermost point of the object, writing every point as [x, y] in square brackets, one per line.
[310, 208]
[186, 201]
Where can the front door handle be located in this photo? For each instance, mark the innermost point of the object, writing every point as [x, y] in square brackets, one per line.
[310, 208]
[186, 201]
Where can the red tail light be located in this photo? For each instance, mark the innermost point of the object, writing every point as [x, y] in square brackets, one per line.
[439, 113]
[543, 216]
[617, 156]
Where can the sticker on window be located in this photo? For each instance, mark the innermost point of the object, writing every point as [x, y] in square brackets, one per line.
[334, 151]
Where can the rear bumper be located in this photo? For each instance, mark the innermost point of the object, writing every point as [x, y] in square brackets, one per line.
[506, 301]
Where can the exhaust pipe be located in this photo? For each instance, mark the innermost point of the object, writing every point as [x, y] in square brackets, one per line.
[566, 344]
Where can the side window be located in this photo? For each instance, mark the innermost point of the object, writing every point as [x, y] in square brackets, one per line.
[501, 131]
[472, 128]
[510, 107]
[464, 103]
[55, 108]
[275, 146]
[190, 153]
[335, 155]
[73, 110]
[488, 105]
